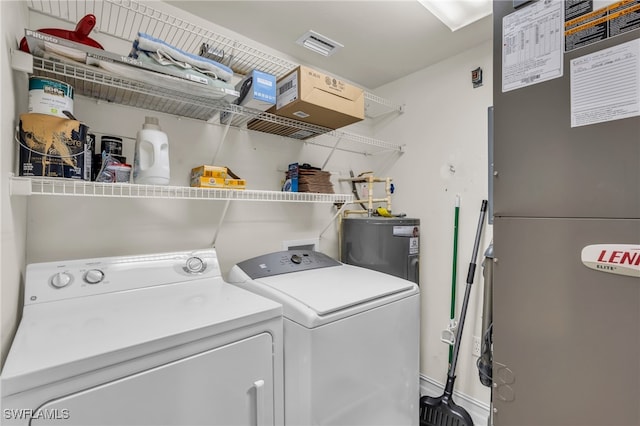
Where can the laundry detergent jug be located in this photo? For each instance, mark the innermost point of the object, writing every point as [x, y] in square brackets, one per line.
[151, 160]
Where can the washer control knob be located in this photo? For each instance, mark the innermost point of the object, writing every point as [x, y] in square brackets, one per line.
[61, 280]
[194, 265]
[296, 259]
[93, 276]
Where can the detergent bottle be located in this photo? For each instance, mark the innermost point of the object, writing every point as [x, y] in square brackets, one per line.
[151, 160]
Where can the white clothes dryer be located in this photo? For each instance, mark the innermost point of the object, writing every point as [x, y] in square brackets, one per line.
[143, 340]
[351, 338]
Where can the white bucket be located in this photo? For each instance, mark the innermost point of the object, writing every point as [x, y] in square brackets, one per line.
[52, 97]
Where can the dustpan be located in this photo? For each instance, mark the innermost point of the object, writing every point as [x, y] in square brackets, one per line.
[443, 411]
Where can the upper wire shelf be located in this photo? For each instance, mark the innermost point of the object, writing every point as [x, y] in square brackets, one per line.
[79, 188]
[178, 100]
[123, 19]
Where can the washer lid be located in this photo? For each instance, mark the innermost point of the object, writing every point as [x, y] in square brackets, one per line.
[61, 339]
[332, 289]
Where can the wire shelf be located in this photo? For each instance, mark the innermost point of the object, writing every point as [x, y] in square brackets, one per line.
[123, 19]
[95, 83]
[79, 188]
[187, 99]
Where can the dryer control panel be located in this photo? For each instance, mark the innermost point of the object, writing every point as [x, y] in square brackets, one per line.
[285, 262]
[51, 281]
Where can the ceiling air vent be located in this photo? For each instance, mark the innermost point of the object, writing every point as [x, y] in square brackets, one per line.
[319, 43]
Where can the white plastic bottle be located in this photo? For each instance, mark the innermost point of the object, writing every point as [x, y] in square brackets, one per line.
[151, 160]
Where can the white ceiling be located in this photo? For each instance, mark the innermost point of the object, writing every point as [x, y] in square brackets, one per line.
[383, 40]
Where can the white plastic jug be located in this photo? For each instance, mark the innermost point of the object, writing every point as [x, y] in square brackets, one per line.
[151, 160]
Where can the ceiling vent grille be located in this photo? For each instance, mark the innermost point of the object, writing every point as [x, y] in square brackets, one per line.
[319, 43]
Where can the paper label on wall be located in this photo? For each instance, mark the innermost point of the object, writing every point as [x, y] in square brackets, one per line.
[589, 22]
[605, 85]
[532, 44]
[620, 259]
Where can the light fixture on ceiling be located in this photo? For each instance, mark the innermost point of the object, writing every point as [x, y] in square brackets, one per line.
[319, 43]
[456, 14]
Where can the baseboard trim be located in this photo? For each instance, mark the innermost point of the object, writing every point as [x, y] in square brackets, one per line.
[478, 410]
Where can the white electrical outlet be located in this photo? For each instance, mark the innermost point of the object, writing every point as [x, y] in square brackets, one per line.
[477, 345]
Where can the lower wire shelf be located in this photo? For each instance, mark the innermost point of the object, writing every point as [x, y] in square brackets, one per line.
[27, 186]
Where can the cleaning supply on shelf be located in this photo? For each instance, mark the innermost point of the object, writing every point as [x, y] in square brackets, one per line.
[151, 160]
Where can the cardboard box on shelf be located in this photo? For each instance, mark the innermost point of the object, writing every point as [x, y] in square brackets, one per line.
[314, 98]
[207, 182]
[317, 98]
[216, 177]
[209, 171]
[235, 184]
[211, 182]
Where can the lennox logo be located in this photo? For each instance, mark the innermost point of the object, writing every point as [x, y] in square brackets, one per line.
[621, 259]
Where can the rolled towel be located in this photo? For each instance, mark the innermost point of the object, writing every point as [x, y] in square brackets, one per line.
[145, 42]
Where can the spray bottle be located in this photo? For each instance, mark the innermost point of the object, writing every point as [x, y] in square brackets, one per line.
[151, 160]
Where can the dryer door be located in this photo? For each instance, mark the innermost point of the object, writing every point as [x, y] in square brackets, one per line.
[229, 385]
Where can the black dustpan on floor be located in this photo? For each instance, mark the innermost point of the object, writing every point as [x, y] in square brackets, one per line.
[442, 411]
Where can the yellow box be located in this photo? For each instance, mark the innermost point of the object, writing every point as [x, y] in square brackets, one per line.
[236, 183]
[212, 182]
[209, 171]
[208, 182]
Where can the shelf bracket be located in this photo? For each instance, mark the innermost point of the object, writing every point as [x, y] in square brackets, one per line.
[222, 139]
[331, 153]
[222, 216]
[340, 210]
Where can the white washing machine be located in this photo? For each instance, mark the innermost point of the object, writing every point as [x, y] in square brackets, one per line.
[351, 338]
[143, 340]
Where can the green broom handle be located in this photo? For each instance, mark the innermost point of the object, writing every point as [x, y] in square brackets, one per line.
[455, 269]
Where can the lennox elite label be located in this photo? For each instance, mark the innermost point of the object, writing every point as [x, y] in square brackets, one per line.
[621, 259]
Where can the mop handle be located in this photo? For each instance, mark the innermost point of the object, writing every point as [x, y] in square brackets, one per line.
[467, 292]
[454, 279]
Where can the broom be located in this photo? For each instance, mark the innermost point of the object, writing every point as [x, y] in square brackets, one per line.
[442, 411]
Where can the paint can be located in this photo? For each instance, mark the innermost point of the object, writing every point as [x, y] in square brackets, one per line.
[111, 144]
[48, 96]
[53, 147]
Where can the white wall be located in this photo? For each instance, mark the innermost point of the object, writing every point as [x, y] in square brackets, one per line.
[445, 128]
[12, 211]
